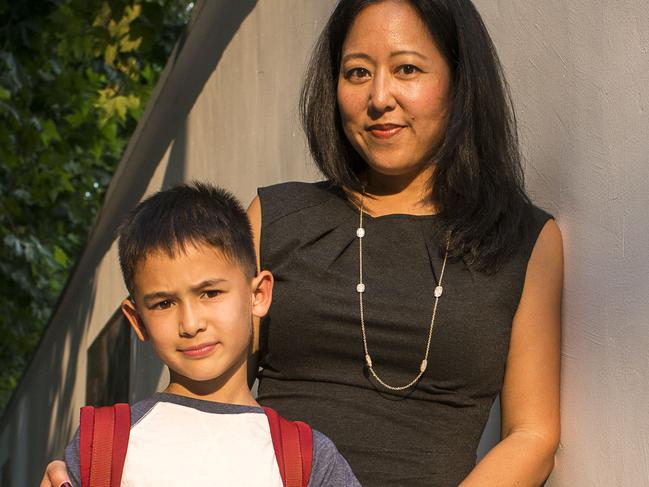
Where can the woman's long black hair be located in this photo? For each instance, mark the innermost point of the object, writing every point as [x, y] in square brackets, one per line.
[478, 186]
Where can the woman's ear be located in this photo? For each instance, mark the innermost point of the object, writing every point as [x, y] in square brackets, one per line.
[262, 293]
[134, 318]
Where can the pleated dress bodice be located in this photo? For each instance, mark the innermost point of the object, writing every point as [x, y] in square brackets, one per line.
[312, 356]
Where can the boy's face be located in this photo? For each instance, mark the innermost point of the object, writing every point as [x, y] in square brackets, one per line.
[196, 308]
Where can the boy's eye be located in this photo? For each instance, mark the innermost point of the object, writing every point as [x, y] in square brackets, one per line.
[166, 304]
[212, 293]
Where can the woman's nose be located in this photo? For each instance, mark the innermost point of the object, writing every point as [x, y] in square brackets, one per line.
[381, 94]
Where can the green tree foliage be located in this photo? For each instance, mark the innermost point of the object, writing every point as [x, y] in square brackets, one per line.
[75, 76]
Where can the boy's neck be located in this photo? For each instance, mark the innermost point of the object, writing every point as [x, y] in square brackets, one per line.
[233, 390]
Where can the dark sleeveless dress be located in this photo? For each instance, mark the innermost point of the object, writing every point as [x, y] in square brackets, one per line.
[312, 351]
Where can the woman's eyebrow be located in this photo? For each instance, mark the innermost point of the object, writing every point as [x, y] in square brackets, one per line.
[401, 52]
[355, 55]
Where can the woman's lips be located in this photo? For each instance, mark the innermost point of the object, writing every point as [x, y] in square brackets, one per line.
[384, 131]
[199, 351]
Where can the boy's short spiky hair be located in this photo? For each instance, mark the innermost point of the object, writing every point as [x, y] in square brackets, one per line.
[195, 213]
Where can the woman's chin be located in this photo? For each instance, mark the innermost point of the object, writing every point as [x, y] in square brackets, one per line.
[395, 168]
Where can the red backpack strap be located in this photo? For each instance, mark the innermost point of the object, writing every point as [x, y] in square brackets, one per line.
[293, 444]
[86, 428]
[276, 436]
[306, 445]
[103, 441]
[120, 441]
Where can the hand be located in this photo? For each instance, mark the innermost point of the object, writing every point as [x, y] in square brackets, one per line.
[56, 475]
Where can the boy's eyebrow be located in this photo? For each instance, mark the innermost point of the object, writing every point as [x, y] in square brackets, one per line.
[156, 295]
[207, 283]
[198, 287]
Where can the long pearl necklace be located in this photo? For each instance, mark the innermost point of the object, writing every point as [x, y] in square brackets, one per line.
[360, 289]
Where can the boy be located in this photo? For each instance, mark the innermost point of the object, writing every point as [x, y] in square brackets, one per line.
[189, 264]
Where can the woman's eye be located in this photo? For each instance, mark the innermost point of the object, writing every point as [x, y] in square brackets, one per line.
[357, 74]
[408, 69]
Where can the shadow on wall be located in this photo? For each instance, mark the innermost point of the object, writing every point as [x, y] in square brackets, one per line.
[45, 422]
[175, 172]
[491, 434]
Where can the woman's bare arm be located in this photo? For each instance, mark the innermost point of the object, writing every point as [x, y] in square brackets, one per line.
[530, 395]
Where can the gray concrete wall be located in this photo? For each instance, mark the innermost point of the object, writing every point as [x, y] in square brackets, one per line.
[579, 71]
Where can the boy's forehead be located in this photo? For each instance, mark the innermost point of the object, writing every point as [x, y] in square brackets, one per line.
[186, 251]
[182, 262]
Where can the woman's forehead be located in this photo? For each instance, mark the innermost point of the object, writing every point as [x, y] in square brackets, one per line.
[391, 25]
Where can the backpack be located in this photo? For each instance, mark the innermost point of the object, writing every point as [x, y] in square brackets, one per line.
[103, 441]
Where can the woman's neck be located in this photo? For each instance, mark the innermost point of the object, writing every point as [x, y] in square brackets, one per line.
[408, 194]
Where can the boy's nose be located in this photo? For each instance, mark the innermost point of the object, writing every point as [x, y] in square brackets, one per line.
[190, 322]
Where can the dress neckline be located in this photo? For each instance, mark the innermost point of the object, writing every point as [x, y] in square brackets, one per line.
[340, 193]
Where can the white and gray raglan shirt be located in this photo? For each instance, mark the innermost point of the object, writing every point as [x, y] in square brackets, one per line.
[176, 440]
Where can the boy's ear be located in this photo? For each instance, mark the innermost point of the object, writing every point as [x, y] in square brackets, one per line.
[262, 293]
[133, 317]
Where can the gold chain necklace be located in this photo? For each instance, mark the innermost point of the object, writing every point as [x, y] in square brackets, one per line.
[360, 289]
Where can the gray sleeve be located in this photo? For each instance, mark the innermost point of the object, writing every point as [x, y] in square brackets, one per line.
[72, 460]
[330, 469]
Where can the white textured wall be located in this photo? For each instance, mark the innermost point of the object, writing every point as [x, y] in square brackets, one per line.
[579, 70]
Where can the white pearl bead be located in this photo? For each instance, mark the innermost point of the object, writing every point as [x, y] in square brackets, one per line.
[360, 232]
[438, 291]
[424, 364]
[360, 288]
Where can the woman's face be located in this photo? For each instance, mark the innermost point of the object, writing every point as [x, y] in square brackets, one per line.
[393, 89]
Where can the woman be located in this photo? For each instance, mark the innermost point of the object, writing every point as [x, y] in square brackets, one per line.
[418, 282]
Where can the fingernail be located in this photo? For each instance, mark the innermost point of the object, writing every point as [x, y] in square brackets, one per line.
[66, 484]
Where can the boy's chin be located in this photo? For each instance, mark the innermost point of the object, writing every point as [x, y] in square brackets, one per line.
[207, 382]
[198, 380]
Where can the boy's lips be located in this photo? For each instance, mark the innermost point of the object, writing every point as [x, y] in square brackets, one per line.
[198, 351]
[384, 130]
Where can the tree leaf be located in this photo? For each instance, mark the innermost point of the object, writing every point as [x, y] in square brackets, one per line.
[60, 256]
[110, 54]
[103, 16]
[49, 132]
[128, 45]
